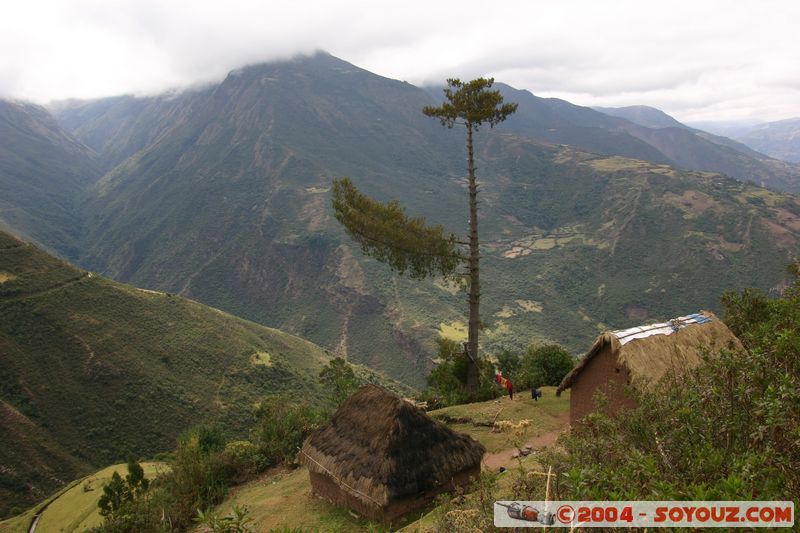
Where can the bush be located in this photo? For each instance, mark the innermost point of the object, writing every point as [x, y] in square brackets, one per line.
[119, 492]
[140, 515]
[236, 522]
[447, 382]
[242, 460]
[339, 380]
[281, 428]
[199, 477]
[509, 363]
[544, 365]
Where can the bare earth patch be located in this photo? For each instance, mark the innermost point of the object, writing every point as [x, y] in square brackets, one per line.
[456, 331]
[783, 237]
[691, 203]
[530, 306]
[493, 461]
[785, 217]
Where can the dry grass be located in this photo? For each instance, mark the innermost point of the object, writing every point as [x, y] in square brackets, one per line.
[505, 312]
[261, 358]
[499, 328]
[530, 306]
[448, 286]
[612, 164]
[456, 331]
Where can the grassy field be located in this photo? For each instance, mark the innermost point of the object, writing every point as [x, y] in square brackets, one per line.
[74, 508]
[546, 415]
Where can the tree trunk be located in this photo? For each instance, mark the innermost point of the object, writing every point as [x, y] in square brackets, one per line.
[474, 272]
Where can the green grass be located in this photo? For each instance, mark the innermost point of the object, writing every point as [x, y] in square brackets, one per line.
[74, 507]
[546, 415]
[283, 500]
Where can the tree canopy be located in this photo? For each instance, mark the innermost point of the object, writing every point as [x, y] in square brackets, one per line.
[471, 103]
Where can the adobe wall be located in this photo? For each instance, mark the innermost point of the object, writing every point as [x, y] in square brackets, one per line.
[326, 488]
[603, 374]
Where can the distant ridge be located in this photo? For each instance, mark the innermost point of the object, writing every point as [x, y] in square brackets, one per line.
[780, 139]
[646, 116]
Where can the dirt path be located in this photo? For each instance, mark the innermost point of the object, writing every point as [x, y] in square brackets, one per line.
[48, 290]
[493, 461]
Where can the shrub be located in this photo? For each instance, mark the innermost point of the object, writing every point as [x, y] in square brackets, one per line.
[509, 364]
[242, 460]
[199, 478]
[544, 365]
[236, 522]
[281, 428]
[448, 380]
[119, 492]
[339, 380]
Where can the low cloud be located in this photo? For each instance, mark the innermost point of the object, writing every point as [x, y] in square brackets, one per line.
[697, 60]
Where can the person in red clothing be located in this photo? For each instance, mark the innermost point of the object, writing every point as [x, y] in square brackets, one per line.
[510, 389]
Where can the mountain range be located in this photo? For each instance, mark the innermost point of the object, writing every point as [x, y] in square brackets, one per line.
[222, 194]
[779, 139]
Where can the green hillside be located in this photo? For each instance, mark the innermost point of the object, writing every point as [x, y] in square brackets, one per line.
[43, 171]
[230, 205]
[92, 370]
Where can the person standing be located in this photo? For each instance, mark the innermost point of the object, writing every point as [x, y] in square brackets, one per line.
[510, 389]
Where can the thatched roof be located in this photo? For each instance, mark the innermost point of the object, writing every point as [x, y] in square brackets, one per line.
[648, 352]
[379, 448]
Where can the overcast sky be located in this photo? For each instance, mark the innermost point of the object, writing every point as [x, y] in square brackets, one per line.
[697, 60]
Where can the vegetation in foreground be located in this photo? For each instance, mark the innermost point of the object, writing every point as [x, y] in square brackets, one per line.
[727, 430]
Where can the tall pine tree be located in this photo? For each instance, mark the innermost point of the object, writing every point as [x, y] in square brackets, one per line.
[410, 245]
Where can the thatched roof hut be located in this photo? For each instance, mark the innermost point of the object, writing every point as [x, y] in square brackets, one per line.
[641, 356]
[383, 457]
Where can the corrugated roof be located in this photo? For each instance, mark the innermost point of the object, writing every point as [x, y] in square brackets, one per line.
[662, 328]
